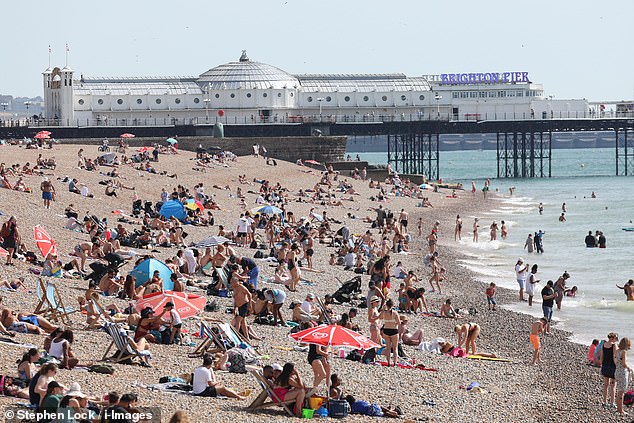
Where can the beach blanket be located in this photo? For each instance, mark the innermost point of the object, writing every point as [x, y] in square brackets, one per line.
[479, 357]
[9, 341]
[409, 366]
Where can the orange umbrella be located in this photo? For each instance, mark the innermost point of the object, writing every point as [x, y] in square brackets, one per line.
[45, 132]
[44, 242]
[186, 304]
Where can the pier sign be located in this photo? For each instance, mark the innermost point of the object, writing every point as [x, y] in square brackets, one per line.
[483, 78]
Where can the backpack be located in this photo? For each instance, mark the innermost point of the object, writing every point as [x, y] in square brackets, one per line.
[101, 368]
[369, 356]
[238, 363]
[258, 254]
[254, 244]
[354, 355]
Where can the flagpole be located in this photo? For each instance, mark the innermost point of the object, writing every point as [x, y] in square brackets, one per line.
[49, 56]
[66, 54]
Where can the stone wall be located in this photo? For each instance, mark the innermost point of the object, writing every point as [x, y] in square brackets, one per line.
[322, 149]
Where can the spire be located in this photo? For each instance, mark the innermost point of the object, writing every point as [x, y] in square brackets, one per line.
[244, 57]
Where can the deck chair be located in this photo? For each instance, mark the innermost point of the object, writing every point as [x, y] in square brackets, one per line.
[322, 309]
[121, 342]
[212, 342]
[267, 398]
[232, 335]
[51, 304]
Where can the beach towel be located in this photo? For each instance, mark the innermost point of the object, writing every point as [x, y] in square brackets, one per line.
[431, 347]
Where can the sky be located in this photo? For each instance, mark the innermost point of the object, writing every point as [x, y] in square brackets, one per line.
[576, 49]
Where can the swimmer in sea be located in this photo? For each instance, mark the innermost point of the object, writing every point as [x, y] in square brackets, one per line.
[628, 289]
[562, 218]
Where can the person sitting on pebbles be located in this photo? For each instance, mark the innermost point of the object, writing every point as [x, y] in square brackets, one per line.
[447, 310]
[205, 384]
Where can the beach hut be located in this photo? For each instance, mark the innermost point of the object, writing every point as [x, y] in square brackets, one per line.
[144, 271]
[173, 208]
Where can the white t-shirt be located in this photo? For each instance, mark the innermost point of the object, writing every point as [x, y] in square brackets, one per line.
[202, 375]
[521, 272]
[259, 200]
[307, 307]
[349, 259]
[174, 317]
[531, 287]
[243, 224]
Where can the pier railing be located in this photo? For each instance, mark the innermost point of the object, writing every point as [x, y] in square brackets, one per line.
[227, 119]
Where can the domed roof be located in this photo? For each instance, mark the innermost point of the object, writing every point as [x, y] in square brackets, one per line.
[246, 74]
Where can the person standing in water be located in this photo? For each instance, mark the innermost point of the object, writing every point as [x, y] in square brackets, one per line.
[628, 289]
[563, 208]
[541, 209]
[475, 229]
[457, 235]
[529, 245]
[504, 230]
[494, 231]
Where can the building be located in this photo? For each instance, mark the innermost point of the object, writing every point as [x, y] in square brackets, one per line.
[252, 92]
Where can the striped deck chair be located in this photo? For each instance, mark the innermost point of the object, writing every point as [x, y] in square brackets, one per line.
[124, 349]
[267, 398]
[51, 304]
[232, 335]
[211, 341]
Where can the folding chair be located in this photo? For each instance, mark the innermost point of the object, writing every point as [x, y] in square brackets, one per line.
[121, 342]
[51, 304]
[232, 335]
[267, 393]
[322, 308]
[212, 342]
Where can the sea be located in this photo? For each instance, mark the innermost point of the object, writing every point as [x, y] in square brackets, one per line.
[599, 306]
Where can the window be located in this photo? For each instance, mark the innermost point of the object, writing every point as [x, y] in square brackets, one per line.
[120, 101]
[421, 97]
[100, 101]
[309, 99]
[265, 95]
[217, 96]
[177, 101]
[454, 95]
[196, 100]
[519, 93]
[346, 98]
[81, 101]
[158, 101]
[232, 95]
[328, 99]
[292, 94]
[473, 94]
[365, 98]
[403, 97]
[139, 101]
[248, 95]
[384, 98]
[482, 94]
[280, 95]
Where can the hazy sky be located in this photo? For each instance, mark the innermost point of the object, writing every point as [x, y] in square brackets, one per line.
[577, 49]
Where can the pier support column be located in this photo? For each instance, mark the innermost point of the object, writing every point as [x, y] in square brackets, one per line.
[523, 154]
[415, 153]
[624, 142]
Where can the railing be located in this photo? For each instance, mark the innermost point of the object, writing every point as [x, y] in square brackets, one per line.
[317, 119]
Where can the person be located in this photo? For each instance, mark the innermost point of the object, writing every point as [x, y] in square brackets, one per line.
[531, 284]
[608, 368]
[373, 317]
[179, 416]
[11, 238]
[591, 241]
[560, 289]
[289, 386]
[592, 350]
[250, 269]
[403, 220]
[539, 242]
[521, 271]
[457, 234]
[447, 310]
[173, 322]
[389, 330]
[536, 330]
[563, 208]
[308, 307]
[26, 365]
[529, 245]
[601, 242]
[148, 325]
[277, 298]
[241, 303]
[504, 230]
[408, 338]
[48, 191]
[204, 383]
[548, 299]
[621, 374]
[436, 273]
[494, 231]
[318, 358]
[475, 229]
[562, 217]
[52, 398]
[541, 209]
[628, 289]
[490, 293]
[39, 383]
[467, 335]
[61, 349]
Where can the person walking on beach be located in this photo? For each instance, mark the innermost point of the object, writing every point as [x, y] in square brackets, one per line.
[48, 190]
[622, 373]
[548, 298]
[521, 272]
[531, 284]
[403, 218]
[241, 304]
[490, 293]
[607, 362]
[536, 330]
[475, 229]
[457, 235]
[473, 188]
[420, 226]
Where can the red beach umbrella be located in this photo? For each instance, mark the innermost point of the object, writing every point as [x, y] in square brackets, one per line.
[186, 304]
[334, 336]
[126, 135]
[314, 162]
[144, 149]
[3, 252]
[44, 242]
[44, 132]
[41, 136]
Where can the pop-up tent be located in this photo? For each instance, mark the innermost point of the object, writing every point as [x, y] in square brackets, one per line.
[144, 271]
[173, 208]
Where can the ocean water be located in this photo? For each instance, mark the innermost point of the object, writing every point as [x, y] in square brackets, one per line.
[599, 306]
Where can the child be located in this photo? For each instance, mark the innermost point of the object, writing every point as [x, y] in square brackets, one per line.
[490, 293]
[593, 348]
[402, 298]
[173, 322]
[571, 292]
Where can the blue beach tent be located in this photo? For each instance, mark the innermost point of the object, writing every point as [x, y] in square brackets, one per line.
[173, 208]
[144, 271]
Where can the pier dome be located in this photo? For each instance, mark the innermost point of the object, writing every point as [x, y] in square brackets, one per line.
[246, 74]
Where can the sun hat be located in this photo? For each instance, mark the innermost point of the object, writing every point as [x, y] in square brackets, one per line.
[277, 367]
[310, 296]
[374, 298]
[520, 260]
[75, 391]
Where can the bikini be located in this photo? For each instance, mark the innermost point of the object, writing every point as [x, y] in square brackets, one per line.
[389, 331]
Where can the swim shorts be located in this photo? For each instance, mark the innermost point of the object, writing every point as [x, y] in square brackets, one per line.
[19, 327]
[47, 195]
[520, 282]
[243, 310]
[535, 341]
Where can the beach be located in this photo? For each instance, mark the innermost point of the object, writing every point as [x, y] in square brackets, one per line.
[562, 389]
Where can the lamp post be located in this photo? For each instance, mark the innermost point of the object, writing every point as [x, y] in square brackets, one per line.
[438, 97]
[320, 100]
[27, 104]
[4, 106]
[207, 100]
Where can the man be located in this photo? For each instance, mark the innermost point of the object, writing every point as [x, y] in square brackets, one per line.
[521, 272]
[536, 330]
[48, 190]
[241, 305]
[403, 220]
[591, 241]
[309, 308]
[72, 186]
[548, 300]
[108, 285]
[242, 229]
[249, 269]
[539, 242]
[601, 242]
[205, 385]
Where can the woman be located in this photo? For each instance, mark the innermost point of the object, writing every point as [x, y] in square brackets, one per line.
[289, 386]
[457, 234]
[389, 330]
[26, 366]
[373, 316]
[494, 231]
[318, 360]
[39, 383]
[61, 350]
[621, 374]
[130, 290]
[476, 225]
[148, 327]
[560, 289]
[408, 338]
[504, 230]
[10, 238]
[432, 240]
[436, 269]
[277, 298]
[291, 259]
[467, 334]
[608, 368]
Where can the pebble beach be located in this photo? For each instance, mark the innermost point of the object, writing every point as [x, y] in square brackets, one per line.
[562, 389]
